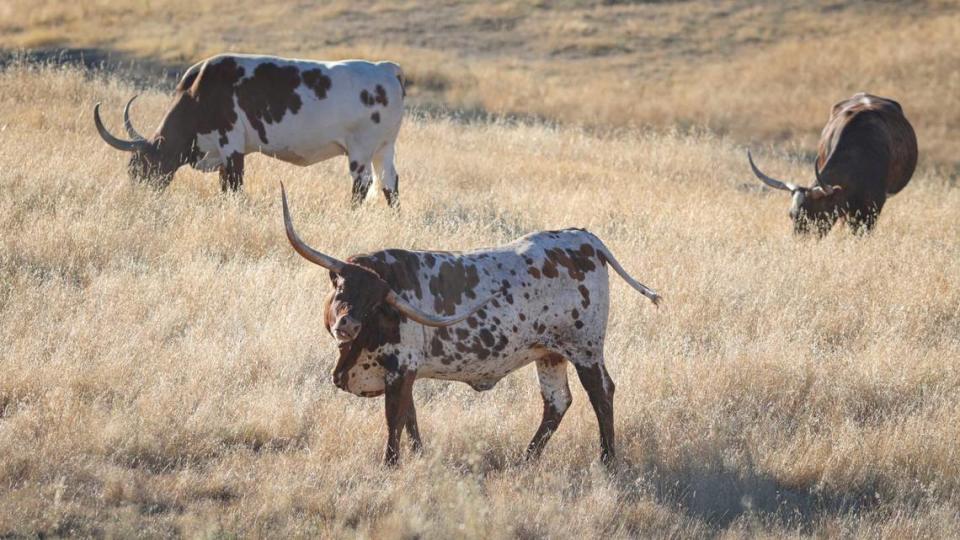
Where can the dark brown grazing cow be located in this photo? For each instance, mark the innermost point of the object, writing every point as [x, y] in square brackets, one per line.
[298, 111]
[868, 151]
[474, 317]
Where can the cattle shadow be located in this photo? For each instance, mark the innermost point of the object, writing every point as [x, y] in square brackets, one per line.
[718, 495]
[142, 73]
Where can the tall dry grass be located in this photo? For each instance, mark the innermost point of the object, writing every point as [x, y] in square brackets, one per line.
[165, 370]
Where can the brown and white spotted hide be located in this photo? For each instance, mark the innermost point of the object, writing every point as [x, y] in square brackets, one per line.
[867, 152]
[298, 111]
[550, 299]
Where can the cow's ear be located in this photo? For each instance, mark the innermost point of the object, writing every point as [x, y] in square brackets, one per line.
[819, 192]
[328, 313]
[333, 278]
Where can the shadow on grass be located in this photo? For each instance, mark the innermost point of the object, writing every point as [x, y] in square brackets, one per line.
[719, 495]
[150, 73]
[140, 72]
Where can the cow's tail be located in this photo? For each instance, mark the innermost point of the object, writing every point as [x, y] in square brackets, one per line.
[615, 264]
[398, 73]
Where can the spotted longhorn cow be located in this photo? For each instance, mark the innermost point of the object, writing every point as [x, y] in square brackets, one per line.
[473, 317]
[867, 151]
[298, 111]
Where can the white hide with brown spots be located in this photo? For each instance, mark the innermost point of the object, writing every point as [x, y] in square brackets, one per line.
[539, 307]
[474, 317]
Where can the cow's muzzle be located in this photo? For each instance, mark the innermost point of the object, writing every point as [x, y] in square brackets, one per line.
[346, 329]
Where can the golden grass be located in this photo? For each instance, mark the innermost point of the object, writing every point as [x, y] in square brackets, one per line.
[166, 372]
[758, 71]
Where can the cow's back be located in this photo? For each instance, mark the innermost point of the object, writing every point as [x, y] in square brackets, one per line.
[303, 111]
[867, 139]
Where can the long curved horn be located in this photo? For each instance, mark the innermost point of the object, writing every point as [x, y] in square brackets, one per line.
[119, 144]
[772, 182]
[821, 189]
[305, 251]
[816, 172]
[430, 320]
[128, 125]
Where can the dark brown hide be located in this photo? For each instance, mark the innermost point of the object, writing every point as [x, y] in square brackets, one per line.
[600, 388]
[212, 90]
[268, 95]
[381, 96]
[231, 174]
[203, 103]
[402, 274]
[453, 281]
[867, 144]
[366, 98]
[397, 406]
[867, 151]
[359, 292]
[315, 80]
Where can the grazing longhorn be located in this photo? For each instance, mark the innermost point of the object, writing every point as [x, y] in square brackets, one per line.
[867, 151]
[473, 317]
[299, 111]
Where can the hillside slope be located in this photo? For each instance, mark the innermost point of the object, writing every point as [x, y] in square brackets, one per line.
[761, 71]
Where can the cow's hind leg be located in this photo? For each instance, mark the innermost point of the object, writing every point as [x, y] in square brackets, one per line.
[552, 372]
[387, 175]
[231, 173]
[599, 386]
[398, 400]
[360, 171]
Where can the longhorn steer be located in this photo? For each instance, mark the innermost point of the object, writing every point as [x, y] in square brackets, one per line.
[542, 298]
[299, 111]
[867, 151]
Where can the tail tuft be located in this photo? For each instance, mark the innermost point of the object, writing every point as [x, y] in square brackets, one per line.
[644, 290]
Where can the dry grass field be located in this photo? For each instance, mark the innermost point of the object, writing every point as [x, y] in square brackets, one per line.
[164, 370]
[759, 71]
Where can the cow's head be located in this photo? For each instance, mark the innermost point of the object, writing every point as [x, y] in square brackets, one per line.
[814, 208]
[156, 159]
[362, 312]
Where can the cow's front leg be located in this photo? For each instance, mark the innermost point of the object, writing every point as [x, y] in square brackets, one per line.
[231, 173]
[362, 178]
[387, 173]
[862, 217]
[398, 400]
[412, 430]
